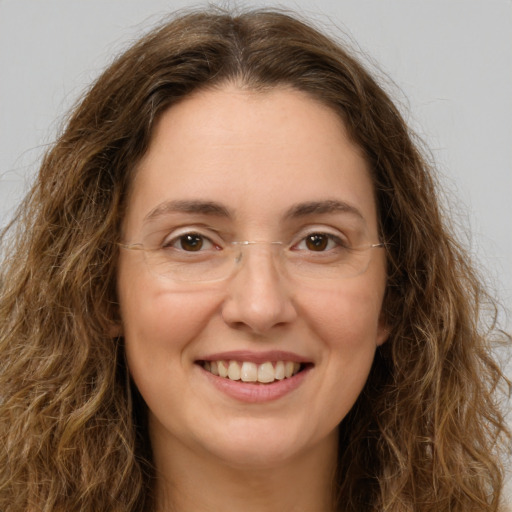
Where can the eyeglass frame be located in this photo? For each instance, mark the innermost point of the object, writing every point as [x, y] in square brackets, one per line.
[139, 246]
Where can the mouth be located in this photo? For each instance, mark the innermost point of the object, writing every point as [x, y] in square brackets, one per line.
[266, 372]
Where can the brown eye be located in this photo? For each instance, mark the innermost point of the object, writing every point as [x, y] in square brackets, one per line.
[317, 242]
[191, 242]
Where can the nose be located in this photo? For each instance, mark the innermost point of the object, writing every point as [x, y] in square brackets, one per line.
[258, 297]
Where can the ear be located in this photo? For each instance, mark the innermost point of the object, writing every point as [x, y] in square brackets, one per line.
[383, 330]
[115, 329]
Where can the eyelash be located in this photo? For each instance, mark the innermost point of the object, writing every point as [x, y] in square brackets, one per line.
[338, 241]
[171, 243]
[180, 238]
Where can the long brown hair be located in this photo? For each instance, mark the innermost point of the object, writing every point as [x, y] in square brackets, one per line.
[424, 435]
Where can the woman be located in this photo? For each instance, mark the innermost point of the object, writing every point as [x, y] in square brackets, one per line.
[231, 287]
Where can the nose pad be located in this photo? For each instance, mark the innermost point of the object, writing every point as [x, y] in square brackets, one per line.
[258, 297]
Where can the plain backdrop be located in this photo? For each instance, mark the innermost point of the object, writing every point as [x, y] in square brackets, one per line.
[448, 64]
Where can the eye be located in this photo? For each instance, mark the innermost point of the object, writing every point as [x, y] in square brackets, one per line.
[320, 242]
[190, 242]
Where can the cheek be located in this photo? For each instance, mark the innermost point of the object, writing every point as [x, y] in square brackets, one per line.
[158, 324]
[347, 318]
[159, 329]
[154, 316]
[346, 323]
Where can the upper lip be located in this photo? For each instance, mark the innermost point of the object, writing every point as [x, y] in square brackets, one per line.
[255, 357]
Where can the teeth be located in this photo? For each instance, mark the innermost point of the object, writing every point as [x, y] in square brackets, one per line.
[280, 370]
[222, 368]
[247, 371]
[266, 373]
[234, 370]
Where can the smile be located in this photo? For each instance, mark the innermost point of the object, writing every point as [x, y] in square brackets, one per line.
[248, 371]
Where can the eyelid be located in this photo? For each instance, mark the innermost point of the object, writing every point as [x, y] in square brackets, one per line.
[333, 233]
[203, 231]
[338, 243]
[219, 239]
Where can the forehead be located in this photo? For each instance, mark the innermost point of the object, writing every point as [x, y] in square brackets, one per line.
[257, 153]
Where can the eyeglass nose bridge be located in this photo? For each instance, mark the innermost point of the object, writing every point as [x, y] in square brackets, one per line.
[245, 243]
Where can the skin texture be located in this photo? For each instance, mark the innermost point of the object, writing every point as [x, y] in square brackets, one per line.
[258, 154]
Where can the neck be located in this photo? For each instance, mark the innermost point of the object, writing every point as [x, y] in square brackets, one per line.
[198, 482]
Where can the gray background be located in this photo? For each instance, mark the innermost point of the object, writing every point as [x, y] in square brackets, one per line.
[450, 63]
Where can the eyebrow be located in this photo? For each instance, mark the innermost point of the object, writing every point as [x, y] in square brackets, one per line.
[322, 207]
[199, 207]
[218, 210]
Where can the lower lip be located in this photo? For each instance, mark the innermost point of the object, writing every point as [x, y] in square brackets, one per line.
[252, 392]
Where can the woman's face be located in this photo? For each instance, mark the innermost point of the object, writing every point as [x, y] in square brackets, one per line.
[231, 164]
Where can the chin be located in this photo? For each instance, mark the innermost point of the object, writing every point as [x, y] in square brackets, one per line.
[259, 444]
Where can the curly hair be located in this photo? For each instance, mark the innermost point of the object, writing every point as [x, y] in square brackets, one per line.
[427, 431]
